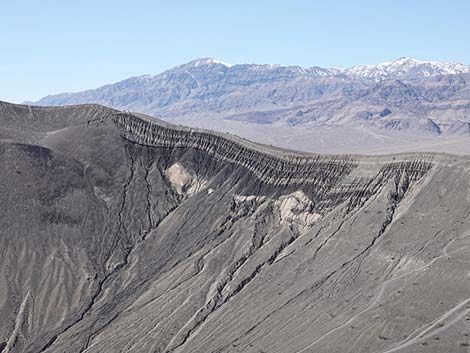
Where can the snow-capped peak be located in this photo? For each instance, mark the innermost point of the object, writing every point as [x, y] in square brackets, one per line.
[406, 67]
[402, 69]
[207, 61]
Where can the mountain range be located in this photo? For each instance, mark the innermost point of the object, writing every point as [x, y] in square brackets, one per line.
[369, 108]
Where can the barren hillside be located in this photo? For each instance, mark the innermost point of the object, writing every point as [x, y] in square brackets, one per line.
[122, 233]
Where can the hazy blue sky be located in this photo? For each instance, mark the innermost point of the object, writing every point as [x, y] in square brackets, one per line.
[51, 46]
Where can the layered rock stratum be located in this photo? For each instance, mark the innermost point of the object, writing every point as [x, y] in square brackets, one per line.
[123, 233]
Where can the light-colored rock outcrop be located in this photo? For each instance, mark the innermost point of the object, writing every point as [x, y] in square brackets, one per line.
[183, 180]
[298, 209]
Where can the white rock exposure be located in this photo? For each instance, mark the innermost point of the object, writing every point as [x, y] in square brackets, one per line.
[183, 180]
[297, 208]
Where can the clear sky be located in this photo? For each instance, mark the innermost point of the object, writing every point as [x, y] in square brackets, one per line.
[52, 46]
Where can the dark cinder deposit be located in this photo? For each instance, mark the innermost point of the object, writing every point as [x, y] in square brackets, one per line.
[123, 233]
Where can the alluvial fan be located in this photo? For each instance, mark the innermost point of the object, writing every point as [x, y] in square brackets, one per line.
[122, 233]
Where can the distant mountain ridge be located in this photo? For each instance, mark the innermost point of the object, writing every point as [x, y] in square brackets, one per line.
[402, 69]
[404, 97]
[406, 68]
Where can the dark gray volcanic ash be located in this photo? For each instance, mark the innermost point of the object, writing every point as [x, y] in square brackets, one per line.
[122, 233]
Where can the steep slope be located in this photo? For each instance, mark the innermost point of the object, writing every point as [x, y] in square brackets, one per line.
[127, 234]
